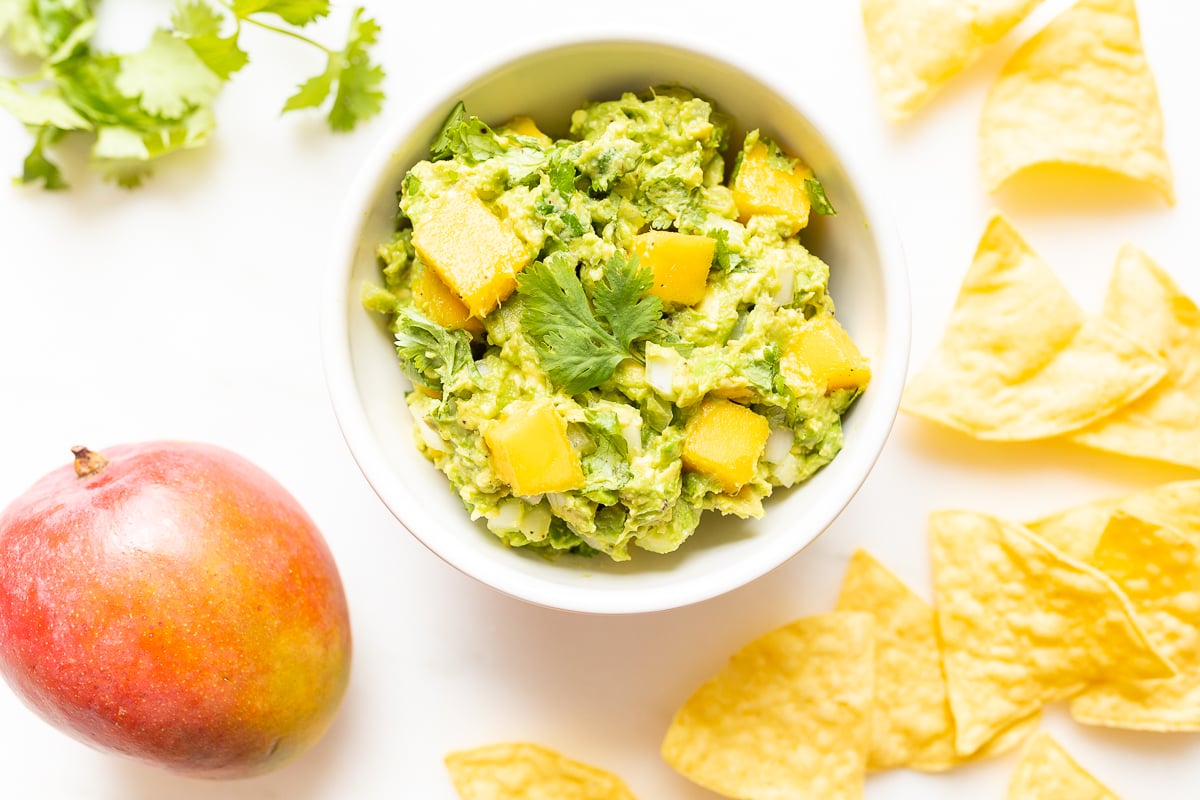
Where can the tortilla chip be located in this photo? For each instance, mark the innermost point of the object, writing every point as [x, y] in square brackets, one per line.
[523, 771]
[1019, 359]
[916, 46]
[1159, 569]
[1079, 93]
[1023, 625]
[789, 716]
[1164, 423]
[1046, 772]
[911, 725]
[1077, 530]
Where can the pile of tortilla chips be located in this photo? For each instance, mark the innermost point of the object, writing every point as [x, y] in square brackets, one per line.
[1095, 605]
[1079, 93]
[1020, 360]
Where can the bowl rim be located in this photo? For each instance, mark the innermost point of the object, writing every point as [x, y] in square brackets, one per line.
[341, 384]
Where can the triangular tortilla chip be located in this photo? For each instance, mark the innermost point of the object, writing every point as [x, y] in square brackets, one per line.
[1023, 625]
[1159, 569]
[1019, 359]
[1077, 530]
[1164, 423]
[1046, 772]
[789, 716]
[523, 771]
[911, 725]
[916, 46]
[1081, 93]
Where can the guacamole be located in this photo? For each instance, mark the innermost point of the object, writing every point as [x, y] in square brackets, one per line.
[611, 333]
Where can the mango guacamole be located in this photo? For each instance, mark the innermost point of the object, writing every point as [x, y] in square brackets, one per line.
[607, 337]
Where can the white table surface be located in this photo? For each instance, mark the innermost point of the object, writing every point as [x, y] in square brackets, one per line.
[188, 309]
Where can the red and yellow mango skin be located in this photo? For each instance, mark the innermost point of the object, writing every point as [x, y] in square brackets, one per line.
[178, 606]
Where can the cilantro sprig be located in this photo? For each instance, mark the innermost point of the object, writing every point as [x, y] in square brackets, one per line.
[141, 106]
[581, 340]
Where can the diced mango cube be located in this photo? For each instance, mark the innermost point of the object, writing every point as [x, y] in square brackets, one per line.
[531, 452]
[433, 296]
[472, 250]
[760, 188]
[823, 354]
[725, 440]
[524, 126]
[679, 263]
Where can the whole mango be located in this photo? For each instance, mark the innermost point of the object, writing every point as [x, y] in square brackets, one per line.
[172, 602]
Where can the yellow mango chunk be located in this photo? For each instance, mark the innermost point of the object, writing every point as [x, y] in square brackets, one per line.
[524, 126]
[679, 263]
[725, 440]
[822, 353]
[433, 296]
[531, 452]
[472, 250]
[760, 188]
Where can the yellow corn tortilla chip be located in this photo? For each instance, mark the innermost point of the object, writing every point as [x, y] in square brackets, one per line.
[1022, 624]
[1076, 531]
[789, 716]
[1046, 772]
[1159, 569]
[1019, 359]
[916, 46]
[1164, 423]
[524, 771]
[1078, 93]
[911, 725]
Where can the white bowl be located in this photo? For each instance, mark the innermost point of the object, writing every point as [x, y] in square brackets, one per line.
[869, 286]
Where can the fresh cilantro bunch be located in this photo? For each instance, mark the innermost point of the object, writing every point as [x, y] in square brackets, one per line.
[581, 340]
[142, 106]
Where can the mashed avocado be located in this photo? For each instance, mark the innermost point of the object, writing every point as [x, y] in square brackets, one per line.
[606, 337]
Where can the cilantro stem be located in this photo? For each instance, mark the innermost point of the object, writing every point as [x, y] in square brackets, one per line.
[282, 31]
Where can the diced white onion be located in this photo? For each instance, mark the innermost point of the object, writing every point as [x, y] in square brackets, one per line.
[577, 437]
[483, 367]
[787, 286]
[633, 437]
[660, 369]
[630, 420]
[508, 516]
[558, 502]
[779, 445]
[432, 438]
[536, 523]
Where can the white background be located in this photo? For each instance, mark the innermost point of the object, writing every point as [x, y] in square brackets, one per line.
[188, 309]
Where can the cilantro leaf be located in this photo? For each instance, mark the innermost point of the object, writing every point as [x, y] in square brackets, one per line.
[724, 259]
[168, 78]
[58, 19]
[313, 91]
[429, 354]
[37, 167]
[622, 300]
[358, 95]
[294, 12]
[575, 351]
[89, 85]
[123, 154]
[199, 26]
[562, 178]
[45, 108]
[816, 196]
[467, 137]
[144, 105]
